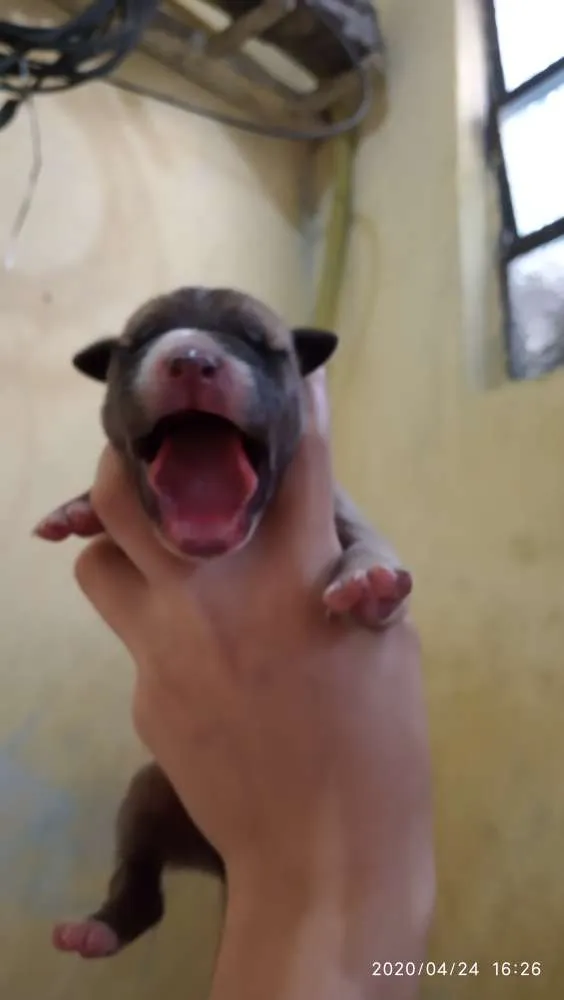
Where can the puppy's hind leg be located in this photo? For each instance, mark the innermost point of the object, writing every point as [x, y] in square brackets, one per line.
[153, 832]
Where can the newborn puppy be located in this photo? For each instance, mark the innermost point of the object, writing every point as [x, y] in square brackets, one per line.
[204, 402]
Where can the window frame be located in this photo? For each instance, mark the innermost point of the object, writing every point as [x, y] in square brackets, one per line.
[511, 243]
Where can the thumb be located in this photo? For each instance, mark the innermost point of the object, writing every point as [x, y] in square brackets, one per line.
[302, 513]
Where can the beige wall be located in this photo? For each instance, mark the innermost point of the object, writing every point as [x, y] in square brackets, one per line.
[133, 199]
[470, 482]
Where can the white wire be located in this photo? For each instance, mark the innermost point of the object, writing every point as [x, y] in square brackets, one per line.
[33, 178]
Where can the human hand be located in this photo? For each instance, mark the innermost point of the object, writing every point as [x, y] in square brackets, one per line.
[297, 744]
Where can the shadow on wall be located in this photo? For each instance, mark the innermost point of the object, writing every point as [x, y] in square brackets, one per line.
[253, 154]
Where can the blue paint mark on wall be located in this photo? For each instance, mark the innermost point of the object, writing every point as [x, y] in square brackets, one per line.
[55, 842]
[38, 816]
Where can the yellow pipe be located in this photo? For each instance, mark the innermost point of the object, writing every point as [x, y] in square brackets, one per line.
[337, 233]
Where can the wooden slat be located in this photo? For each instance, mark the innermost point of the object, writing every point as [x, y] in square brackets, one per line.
[218, 76]
[312, 34]
[179, 48]
[248, 26]
[331, 92]
[242, 63]
[179, 40]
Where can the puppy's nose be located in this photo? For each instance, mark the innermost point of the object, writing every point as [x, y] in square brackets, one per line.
[194, 360]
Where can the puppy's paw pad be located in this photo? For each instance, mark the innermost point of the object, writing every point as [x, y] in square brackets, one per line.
[88, 938]
[342, 595]
[390, 585]
[73, 518]
[371, 595]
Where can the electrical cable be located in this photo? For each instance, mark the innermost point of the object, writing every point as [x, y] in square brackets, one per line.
[35, 171]
[287, 133]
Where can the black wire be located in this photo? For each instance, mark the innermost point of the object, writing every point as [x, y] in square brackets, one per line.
[106, 32]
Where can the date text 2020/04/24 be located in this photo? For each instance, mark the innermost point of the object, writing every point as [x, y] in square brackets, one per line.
[458, 968]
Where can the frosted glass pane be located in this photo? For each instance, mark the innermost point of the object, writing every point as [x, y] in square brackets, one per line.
[531, 37]
[536, 298]
[533, 147]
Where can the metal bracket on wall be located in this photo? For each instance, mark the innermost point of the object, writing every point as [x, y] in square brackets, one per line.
[323, 42]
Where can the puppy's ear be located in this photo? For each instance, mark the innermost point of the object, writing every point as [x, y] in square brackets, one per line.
[94, 360]
[313, 347]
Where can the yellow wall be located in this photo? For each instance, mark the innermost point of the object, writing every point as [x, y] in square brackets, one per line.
[133, 199]
[470, 483]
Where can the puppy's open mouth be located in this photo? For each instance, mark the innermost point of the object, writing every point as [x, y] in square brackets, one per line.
[204, 473]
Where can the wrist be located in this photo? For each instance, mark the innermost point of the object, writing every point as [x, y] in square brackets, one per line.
[286, 945]
[291, 939]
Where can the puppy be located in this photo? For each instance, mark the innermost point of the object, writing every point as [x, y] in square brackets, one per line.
[204, 402]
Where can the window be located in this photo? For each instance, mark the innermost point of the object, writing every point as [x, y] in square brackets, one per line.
[526, 147]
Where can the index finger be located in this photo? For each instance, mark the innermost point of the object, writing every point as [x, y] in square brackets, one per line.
[302, 513]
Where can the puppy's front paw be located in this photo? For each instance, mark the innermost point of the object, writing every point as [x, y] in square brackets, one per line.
[373, 595]
[73, 518]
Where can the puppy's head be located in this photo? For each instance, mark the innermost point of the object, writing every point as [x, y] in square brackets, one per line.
[204, 401]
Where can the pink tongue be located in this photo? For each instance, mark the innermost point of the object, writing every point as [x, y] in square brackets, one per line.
[203, 477]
